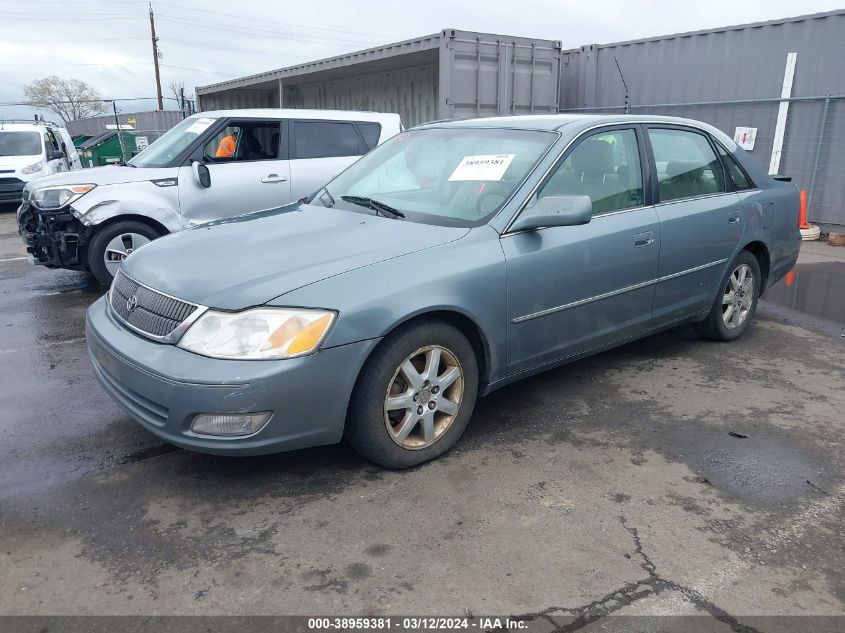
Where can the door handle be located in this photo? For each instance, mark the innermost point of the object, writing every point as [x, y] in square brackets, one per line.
[643, 239]
[271, 178]
[733, 219]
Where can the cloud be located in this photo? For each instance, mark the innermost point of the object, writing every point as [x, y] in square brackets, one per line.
[106, 42]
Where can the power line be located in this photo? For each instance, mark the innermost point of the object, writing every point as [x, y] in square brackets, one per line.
[54, 65]
[260, 32]
[206, 45]
[265, 21]
[67, 18]
[171, 5]
[76, 39]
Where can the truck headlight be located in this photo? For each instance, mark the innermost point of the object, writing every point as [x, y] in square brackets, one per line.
[56, 197]
[33, 169]
[258, 334]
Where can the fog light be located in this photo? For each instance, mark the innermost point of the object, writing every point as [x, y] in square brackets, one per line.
[230, 423]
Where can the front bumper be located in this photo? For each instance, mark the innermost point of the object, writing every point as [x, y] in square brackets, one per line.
[53, 238]
[163, 387]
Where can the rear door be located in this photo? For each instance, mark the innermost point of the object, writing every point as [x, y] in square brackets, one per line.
[571, 289]
[319, 151]
[247, 160]
[701, 222]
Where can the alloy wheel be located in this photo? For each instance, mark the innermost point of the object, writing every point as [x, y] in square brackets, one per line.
[423, 397]
[738, 296]
[119, 248]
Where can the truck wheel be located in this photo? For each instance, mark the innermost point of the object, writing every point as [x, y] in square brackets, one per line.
[414, 396]
[735, 302]
[113, 243]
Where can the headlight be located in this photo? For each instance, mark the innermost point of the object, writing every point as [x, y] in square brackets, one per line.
[33, 169]
[51, 198]
[257, 334]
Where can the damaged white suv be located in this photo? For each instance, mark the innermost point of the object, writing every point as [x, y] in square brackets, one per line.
[210, 166]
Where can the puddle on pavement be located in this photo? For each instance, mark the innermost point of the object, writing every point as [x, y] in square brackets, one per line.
[816, 289]
[763, 468]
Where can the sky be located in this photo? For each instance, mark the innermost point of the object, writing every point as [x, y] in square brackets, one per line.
[107, 42]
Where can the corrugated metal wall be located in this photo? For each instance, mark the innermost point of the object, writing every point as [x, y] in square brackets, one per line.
[729, 65]
[238, 98]
[153, 121]
[489, 76]
[412, 92]
[451, 74]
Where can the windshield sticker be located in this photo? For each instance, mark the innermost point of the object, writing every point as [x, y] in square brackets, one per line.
[483, 167]
[199, 126]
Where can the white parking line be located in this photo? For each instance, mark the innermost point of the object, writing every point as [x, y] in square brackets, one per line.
[12, 259]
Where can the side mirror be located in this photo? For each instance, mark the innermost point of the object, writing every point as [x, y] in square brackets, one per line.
[201, 174]
[57, 154]
[555, 211]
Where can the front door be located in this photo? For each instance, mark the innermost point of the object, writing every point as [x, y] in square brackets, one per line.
[701, 223]
[576, 288]
[249, 171]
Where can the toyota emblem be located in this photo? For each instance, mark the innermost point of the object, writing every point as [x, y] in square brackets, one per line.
[131, 303]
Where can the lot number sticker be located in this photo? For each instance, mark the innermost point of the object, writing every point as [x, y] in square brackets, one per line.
[199, 126]
[483, 167]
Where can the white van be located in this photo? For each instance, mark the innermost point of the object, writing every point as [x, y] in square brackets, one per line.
[29, 149]
[210, 166]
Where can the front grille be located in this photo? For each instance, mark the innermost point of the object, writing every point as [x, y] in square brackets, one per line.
[154, 313]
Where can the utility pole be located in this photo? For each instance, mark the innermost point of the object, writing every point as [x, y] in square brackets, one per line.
[155, 57]
[119, 137]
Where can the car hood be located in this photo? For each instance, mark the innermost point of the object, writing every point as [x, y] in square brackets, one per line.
[249, 260]
[108, 175]
[18, 162]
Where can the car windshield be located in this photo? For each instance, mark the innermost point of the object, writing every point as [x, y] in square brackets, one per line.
[452, 176]
[162, 152]
[20, 144]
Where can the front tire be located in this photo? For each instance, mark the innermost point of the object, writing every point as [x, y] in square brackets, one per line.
[415, 395]
[736, 301]
[113, 243]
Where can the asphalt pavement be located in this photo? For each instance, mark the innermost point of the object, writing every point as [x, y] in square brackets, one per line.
[670, 476]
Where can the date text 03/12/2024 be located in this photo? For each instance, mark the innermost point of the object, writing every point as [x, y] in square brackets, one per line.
[416, 623]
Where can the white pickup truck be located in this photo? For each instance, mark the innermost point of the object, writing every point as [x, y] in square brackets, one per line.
[210, 166]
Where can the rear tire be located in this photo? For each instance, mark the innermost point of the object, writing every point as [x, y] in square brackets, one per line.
[415, 395]
[736, 301]
[104, 249]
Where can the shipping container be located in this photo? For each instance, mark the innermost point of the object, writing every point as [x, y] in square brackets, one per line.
[451, 74]
[733, 78]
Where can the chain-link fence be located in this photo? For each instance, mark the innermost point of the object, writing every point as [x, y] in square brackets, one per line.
[114, 138]
[813, 146]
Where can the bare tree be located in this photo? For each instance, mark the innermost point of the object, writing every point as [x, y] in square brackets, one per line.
[71, 99]
[177, 89]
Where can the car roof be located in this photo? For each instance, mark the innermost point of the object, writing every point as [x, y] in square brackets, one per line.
[23, 127]
[557, 121]
[291, 113]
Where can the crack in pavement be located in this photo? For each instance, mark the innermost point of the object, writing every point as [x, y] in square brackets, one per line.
[630, 593]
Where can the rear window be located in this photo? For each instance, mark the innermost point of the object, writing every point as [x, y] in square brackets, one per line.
[736, 174]
[322, 139]
[20, 144]
[371, 133]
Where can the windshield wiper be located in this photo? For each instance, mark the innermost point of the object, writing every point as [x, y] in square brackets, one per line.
[379, 207]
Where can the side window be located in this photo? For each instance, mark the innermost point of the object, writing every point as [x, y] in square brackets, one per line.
[322, 139]
[371, 133]
[605, 167]
[736, 174]
[244, 141]
[686, 164]
[50, 144]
